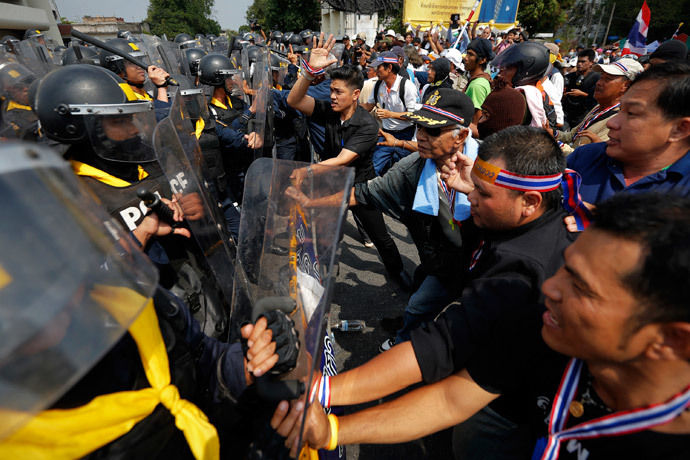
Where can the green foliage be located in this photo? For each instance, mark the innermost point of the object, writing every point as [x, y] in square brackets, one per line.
[664, 20]
[172, 17]
[543, 15]
[244, 28]
[285, 15]
[392, 19]
[64, 20]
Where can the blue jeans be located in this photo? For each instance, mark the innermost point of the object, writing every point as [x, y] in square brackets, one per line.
[385, 157]
[423, 306]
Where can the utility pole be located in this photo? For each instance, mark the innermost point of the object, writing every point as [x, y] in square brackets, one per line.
[606, 35]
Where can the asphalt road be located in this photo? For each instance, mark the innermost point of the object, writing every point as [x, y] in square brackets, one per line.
[363, 292]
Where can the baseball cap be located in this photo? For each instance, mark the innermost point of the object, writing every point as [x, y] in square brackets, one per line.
[390, 32]
[444, 107]
[557, 41]
[386, 57]
[398, 51]
[455, 56]
[553, 48]
[627, 67]
[346, 37]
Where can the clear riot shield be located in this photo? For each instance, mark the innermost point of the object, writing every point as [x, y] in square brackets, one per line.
[337, 52]
[305, 274]
[201, 214]
[279, 72]
[262, 83]
[149, 45]
[16, 80]
[71, 281]
[36, 57]
[170, 57]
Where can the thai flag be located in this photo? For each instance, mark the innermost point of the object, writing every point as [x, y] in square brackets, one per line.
[637, 38]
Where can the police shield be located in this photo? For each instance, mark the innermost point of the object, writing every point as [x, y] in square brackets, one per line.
[201, 213]
[303, 272]
[71, 283]
[18, 120]
[36, 57]
[261, 83]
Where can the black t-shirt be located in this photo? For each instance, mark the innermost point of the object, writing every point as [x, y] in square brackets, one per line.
[359, 134]
[576, 108]
[515, 362]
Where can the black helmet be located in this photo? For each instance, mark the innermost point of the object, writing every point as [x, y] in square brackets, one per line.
[306, 36]
[530, 58]
[285, 39]
[10, 43]
[275, 62]
[126, 34]
[194, 56]
[214, 68]
[252, 52]
[15, 79]
[212, 36]
[115, 63]
[32, 33]
[249, 37]
[276, 36]
[295, 40]
[185, 41]
[199, 36]
[73, 104]
[77, 54]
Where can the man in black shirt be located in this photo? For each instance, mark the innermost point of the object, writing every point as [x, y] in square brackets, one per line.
[351, 136]
[579, 89]
[609, 375]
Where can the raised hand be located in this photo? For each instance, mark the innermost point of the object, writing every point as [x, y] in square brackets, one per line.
[457, 173]
[319, 57]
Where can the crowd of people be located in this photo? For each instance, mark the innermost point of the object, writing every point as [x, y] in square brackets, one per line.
[545, 188]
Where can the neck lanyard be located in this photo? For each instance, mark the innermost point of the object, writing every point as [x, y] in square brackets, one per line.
[450, 194]
[616, 424]
[476, 255]
[593, 117]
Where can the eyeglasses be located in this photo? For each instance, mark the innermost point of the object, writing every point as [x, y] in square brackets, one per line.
[433, 132]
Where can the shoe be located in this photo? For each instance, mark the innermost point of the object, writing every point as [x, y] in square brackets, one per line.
[387, 345]
[278, 250]
[403, 280]
[392, 324]
[368, 244]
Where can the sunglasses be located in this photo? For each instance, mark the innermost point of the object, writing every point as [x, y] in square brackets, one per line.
[433, 132]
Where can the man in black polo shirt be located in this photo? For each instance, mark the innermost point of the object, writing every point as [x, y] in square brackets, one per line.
[579, 89]
[351, 136]
[607, 377]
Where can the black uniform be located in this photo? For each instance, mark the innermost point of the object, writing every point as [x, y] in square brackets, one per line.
[575, 108]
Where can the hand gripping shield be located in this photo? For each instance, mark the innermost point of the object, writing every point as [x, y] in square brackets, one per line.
[287, 253]
[201, 211]
[71, 282]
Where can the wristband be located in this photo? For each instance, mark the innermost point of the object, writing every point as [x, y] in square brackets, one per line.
[309, 70]
[164, 85]
[333, 442]
[322, 390]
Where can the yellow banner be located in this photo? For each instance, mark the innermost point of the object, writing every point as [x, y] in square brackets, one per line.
[423, 12]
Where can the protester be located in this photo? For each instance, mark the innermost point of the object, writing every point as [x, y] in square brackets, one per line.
[579, 89]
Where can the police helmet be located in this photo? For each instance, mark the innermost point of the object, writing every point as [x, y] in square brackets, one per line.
[306, 36]
[15, 81]
[215, 68]
[276, 36]
[75, 103]
[275, 62]
[126, 34]
[116, 63]
[193, 56]
[285, 39]
[78, 54]
[10, 43]
[295, 40]
[199, 36]
[212, 37]
[32, 33]
[185, 41]
[530, 58]
[252, 53]
[249, 37]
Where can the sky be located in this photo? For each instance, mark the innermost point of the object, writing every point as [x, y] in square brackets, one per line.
[229, 13]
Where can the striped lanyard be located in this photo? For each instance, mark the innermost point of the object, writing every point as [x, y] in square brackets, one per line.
[616, 424]
[450, 194]
[592, 118]
[476, 255]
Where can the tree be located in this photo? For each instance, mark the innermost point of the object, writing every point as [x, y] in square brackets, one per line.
[285, 15]
[172, 17]
[543, 15]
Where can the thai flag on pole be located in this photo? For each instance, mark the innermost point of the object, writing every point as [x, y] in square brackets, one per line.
[637, 38]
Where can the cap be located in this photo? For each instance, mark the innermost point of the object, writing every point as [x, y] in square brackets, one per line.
[390, 32]
[482, 47]
[553, 48]
[455, 56]
[398, 51]
[671, 50]
[425, 57]
[627, 67]
[361, 36]
[444, 107]
[557, 41]
[386, 57]
[346, 37]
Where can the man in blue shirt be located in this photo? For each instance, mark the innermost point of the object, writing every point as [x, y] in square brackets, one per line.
[649, 140]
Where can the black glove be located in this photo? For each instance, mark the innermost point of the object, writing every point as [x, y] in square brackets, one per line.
[286, 338]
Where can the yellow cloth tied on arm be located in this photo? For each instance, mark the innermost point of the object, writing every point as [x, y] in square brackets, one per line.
[74, 433]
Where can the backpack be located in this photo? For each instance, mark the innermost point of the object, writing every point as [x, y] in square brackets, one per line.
[402, 91]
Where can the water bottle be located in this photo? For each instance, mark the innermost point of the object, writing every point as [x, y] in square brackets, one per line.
[353, 325]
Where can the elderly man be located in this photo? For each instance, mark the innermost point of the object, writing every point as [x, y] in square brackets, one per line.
[608, 377]
[613, 83]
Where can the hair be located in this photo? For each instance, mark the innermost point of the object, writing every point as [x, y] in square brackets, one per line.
[588, 53]
[416, 40]
[350, 75]
[413, 56]
[674, 80]
[513, 31]
[529, 151]
[395, 68]
[660, 223]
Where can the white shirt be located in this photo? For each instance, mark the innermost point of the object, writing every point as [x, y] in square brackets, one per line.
[390, 100]
[555, 95]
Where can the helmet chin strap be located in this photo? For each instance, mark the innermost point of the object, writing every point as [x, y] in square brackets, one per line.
[136, 85]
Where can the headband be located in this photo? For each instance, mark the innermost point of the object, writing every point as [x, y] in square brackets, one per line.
[571, 180]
